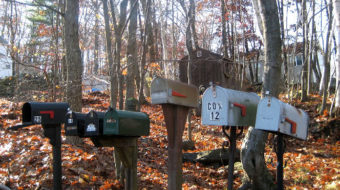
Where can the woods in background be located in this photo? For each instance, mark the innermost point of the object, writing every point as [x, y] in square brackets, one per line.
[130, 41]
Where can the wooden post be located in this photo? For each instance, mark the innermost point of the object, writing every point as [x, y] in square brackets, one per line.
[175, 118]
[128, 156]
[126, 147]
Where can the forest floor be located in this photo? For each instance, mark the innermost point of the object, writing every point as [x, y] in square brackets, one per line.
[26, 158]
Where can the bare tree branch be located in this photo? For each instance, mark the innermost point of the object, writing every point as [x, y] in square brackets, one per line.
[38, 4]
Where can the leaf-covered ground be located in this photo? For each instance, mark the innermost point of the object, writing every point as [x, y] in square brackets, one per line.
[26, 162]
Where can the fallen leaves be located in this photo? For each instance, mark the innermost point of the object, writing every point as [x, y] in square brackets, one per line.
[26, 162]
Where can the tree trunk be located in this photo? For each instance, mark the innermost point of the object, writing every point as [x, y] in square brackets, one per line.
[163, 26]
[310, 63]
[147, 28]
[73, 61]
[224, 33]
[336, 4]
[282, 27]
[305, 49]
[132, 52]
[252, 150]
[189, 37]
[326, 73]
[118, 31]
[13, 29]
[119, 28]
[96, 40]
[112, 68]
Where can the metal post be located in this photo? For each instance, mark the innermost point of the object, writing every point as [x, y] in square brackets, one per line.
[53, 133]
[232, 148]
[279, 170]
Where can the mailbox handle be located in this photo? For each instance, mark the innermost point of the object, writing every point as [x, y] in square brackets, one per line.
[293, 125]
[243, 108]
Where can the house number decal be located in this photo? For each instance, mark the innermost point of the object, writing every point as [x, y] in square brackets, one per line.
[214, 109]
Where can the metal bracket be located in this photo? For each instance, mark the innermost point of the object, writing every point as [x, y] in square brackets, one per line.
[225, 128]
[213, 86]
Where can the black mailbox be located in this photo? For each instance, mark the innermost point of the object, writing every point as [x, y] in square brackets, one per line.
[75, 124]
[50, 115]
[45, 113]
[94, 122]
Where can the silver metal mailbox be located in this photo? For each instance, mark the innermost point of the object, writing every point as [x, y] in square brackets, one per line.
[277, 116]
[166, 91]
[221, 106]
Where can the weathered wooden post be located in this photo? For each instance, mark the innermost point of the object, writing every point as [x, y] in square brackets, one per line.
[230, 109]
[176, 98]
[278, 117]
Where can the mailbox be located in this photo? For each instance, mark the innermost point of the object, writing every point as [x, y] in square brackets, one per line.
[45, 113]
[94, 123]
[75, 123]
[276, 116]
[226, 107]
[165, 91]
[126, 123]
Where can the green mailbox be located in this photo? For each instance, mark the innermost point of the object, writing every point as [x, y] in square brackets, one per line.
[126, 123]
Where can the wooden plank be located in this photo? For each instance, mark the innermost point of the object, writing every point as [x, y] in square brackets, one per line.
[175, 118]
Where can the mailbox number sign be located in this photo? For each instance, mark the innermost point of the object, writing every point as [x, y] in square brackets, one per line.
[214, 110]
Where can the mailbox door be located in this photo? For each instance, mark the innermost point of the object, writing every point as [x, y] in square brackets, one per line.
[269, 114]
[215, 107]
[159, 91]
[44, 112]
[133, 123]
[91, 124]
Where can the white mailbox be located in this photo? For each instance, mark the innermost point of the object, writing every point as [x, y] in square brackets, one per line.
[166, 91]
[276, 116]
[221, 106]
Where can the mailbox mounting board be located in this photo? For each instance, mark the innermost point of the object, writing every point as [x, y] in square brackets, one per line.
[276, 116]
[226, 107]
[165, 91]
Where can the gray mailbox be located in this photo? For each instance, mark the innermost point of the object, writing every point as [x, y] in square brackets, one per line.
[276, 116]
[226, 107]
[165, 91]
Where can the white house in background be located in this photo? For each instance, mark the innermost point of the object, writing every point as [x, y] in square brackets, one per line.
[5, 60]
[294, 68]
